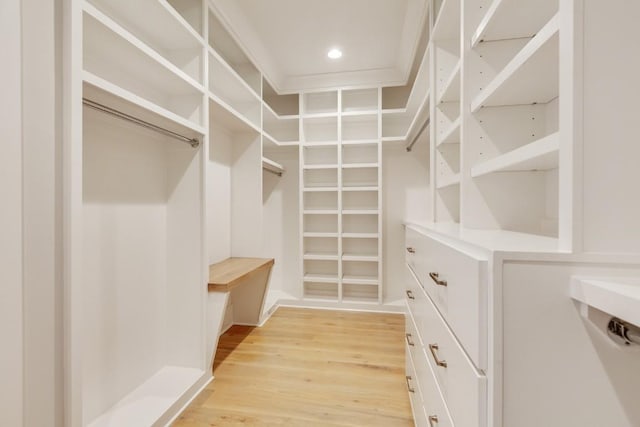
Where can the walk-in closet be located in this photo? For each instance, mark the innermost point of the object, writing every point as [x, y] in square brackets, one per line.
[334, 213]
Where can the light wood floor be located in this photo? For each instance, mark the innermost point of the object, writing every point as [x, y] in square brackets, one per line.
[308, 368]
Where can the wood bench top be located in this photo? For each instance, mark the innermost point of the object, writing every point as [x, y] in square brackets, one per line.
[227, 274]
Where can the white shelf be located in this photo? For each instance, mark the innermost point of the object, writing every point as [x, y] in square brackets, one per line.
[111, 95]
[360, 113]
[331, 114]
[316, 167]
[451, 89]
[360, 257]
[363, 188]
[272, 166]
[449, 181]
[538, 155]
[447, 24]
[161, 23]
[360, 280]
[118, 48]
[452, 134]
[151, 400]
[530, 77]
[319, 189]
[500, 23]
[318, 234]
[360, 212]
[320, 211]
[359, 165]
[320, 278]
[361, 142]
[227, 117]
[619, 297]
[320, 256]
[320, 143]
[360, 235]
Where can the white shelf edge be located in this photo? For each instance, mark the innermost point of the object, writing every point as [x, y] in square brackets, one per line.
[453, 128]
[319, 189]
[611, 295]
[125, 95]
[545, 34]
[233, 111]
[326, 115]
[321, 278]
[544, 150]
[233, 72]
[358, 113]
[455, 74]
[319, 143]
[359, 165]
[320, 212]
[363, 188]
[368, 141]
[312, 234]
[312, 167]
[360, 212]
[360, 280]
[394, 138]
[280, 116]
[272, 166]
[484, 23]
[361, 258]
[183, 22]
[360, 235]
[129, 38]
[319, 256]
[442, 14]
[449, 181]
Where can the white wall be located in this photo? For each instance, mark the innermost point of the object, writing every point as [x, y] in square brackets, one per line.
[11, 327]
[219, 195]
[405, 194]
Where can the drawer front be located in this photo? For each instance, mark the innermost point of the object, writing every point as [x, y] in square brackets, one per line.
[464, 389]
[463, 300]
[415, 394]
[412, 240]
[417, 303]
[437, 414]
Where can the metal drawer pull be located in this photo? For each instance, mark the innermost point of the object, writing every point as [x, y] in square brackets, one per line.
[436, 278]
[410, 295]
[411, 389]
[433, 420]
[433, 348]
[408, 337]
[411, 250]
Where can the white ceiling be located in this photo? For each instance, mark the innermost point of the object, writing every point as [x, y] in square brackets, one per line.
[289, 39]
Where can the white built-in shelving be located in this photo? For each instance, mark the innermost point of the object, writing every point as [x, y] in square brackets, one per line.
[340, 164]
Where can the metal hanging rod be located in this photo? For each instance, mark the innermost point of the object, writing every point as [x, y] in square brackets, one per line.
[271, 171]
[415, 138]
[194, 142]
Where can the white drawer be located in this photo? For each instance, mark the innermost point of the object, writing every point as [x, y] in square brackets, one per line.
[417, 303]
[415, 395]
[464, 389]
[437, 414]
[463, 300]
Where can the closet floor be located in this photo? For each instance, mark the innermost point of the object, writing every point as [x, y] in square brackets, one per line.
[306, 368]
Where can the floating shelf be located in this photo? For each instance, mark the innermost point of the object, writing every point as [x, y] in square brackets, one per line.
[498, 23]
[531, 76]
[538, 155]
[272, 166]
[619, 297]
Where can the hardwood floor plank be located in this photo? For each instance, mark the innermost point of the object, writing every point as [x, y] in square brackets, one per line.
[308, 367]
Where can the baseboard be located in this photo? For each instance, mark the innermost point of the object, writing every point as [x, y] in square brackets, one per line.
[194, 394]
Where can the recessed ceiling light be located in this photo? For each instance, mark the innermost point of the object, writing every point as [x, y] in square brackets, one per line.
[334, 53]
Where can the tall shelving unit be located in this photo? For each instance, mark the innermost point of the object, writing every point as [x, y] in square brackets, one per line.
[340, 196]
[135, 212]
